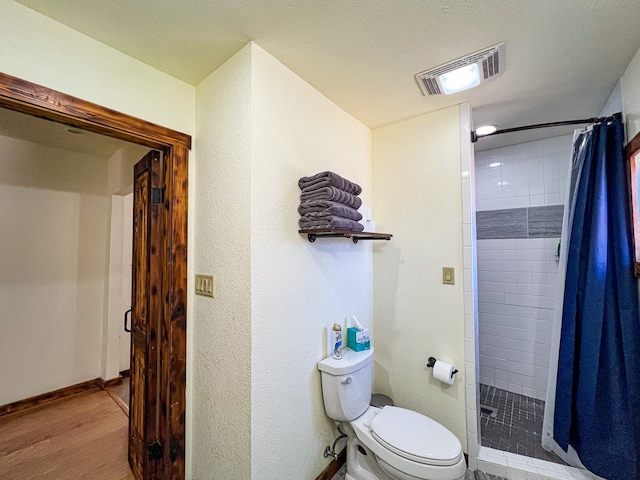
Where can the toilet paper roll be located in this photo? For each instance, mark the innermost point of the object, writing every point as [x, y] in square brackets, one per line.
[443, 371]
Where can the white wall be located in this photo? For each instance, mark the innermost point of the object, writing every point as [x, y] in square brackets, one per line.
[41, 50]
[417, 198]
[614, 102]
[221, 326]
[298, 289]
[54, 232]
[517, 277]
[261, 128]
[631, 96]
[124, 338]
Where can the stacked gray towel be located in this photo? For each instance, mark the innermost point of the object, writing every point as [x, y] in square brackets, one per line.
[328, 201]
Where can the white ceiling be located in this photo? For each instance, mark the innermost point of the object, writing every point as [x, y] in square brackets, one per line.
[53, 134]
[563, 57]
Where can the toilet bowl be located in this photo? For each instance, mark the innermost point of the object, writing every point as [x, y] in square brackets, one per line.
[406, 445]
[388, 443]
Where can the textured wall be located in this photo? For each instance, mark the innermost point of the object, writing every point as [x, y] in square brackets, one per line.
[631, 96]
[46, 52]
[299, 289]
[417, 198]
[54, 231]
[221, 326]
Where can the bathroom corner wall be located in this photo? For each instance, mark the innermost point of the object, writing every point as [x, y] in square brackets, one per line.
[418, 198]
[256, 388]
[221, 327]
[299, 289]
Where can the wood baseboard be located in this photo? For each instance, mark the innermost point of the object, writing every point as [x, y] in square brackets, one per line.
[331, 470]
[49, 397]
[125, 373]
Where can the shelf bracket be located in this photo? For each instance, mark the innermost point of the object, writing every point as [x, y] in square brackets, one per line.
[313, 235]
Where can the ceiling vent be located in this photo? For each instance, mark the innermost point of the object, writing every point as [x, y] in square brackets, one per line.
[489, 63]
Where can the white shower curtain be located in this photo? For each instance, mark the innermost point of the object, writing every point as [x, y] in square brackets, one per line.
[580, 138]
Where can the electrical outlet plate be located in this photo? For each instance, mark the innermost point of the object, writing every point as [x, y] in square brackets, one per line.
[448, 276]
[204, 285]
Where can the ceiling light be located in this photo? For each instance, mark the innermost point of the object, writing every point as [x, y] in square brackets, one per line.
[483, 130]
[464, 72]
[460, 79]
[495, 164]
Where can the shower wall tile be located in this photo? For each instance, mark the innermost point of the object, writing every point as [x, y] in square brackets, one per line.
[525, 175]
[509, 223]
[545, 221]
[470, 281]
[515, 305]
[517, 274]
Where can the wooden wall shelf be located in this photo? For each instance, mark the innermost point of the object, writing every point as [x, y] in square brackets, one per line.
[354, 236]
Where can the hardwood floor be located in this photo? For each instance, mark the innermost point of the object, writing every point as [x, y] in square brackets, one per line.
[79, 437]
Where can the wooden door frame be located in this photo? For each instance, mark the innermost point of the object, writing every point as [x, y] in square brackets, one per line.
[26, 97]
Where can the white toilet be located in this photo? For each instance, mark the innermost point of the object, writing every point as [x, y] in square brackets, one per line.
[388, 443]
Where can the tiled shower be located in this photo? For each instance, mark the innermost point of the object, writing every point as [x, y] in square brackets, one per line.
[520, 191]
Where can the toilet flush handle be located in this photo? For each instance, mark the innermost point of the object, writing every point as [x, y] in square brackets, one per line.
[347, 381]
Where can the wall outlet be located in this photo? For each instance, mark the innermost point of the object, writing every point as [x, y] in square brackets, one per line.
[204, 285]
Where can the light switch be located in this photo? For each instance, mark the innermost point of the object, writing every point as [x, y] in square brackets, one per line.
[204, 285]
[448, 276]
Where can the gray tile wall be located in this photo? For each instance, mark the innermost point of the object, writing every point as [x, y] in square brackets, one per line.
[545, 222]
[530, 222]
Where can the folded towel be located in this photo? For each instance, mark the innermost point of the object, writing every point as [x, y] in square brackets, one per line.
[333, 222]
[328, 179]
[334, 194]
[323, 208]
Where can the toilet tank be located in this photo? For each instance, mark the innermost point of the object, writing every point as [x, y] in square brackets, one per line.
[346, 384]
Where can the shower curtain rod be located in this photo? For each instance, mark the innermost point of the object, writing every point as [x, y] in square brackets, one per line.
[615, 116]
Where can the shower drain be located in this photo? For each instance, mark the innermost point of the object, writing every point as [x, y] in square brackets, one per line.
[488, 411]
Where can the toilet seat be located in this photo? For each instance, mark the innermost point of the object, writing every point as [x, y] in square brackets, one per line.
[415, 436]
[410, 468]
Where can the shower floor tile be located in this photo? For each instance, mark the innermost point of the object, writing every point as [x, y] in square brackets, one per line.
[514, 423]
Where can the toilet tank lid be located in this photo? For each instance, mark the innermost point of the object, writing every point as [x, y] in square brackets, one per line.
[350, 362]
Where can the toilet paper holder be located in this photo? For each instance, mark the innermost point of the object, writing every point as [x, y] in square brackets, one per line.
[431, 361]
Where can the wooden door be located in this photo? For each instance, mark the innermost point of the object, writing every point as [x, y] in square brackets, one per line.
[33, 99]
[145, 449]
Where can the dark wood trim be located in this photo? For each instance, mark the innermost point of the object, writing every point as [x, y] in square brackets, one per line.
[26, 97]
[49, 397]
[174, 330]
[631, 149]
[125, 373]
[331, 470]
[104, 384]
[634, 144]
